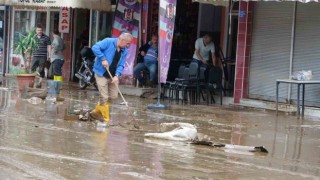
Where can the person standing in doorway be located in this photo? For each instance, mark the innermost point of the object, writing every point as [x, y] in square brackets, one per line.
[56, 57]
[41, 55]
[111, 54]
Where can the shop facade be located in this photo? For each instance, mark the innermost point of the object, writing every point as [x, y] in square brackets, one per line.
[192, 21]
[91, 26]
[23, 18]
[274, 40]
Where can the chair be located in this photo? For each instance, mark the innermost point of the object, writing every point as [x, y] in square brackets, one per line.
[189, 83]
[169, 84]
[229, 76]
[174, 86]
[214, 83]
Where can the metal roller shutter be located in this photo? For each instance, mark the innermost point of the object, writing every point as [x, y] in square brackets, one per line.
[307, 48]
[270, 50]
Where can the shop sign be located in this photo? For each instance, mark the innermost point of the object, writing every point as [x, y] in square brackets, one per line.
[64, 20]
[36, 2]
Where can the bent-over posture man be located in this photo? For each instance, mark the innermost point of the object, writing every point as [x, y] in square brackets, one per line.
[111, 54]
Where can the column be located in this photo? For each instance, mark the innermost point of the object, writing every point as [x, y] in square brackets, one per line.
[241, 85]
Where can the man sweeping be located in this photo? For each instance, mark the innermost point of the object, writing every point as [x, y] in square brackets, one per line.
[111, 54]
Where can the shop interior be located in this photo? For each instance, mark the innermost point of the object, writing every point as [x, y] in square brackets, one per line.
[193, 20]
[91, 26]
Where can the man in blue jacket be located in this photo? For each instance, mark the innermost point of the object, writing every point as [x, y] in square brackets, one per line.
[111, 53]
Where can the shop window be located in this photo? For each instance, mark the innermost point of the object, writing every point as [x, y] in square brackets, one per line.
[94, 20]
[21, 23]
[105, 25]
[101, 25]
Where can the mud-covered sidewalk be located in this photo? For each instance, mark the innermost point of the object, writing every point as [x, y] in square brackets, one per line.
[44, 141]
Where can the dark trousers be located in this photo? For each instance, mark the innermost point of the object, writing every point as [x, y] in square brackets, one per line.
[38, 61]
[57, 67]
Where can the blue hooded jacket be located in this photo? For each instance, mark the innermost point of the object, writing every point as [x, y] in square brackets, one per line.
[106, 49]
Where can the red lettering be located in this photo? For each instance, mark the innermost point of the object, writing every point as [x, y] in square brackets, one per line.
[65, 9]
[64, 27]
[64, 14]
[64, 21]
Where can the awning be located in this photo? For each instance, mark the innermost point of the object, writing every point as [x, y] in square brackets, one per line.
[226, 2]
[213, 2]
[103, 5]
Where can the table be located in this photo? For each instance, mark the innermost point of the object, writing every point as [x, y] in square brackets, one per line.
[299, 83]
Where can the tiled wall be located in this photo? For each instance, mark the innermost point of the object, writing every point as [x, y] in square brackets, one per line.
[67, 66]
[243, 51]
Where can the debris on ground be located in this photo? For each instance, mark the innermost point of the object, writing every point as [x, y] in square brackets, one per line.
[83, 112]
[188, 132]
[4, 88]
[149, 95]
[35, 100]
[231, 146]
[51, 99]
[28, 93]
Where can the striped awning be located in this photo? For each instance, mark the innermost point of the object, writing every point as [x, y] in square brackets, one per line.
[226, 2]
[103, 5]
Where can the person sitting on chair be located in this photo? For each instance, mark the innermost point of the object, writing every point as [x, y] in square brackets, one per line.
[147, 60]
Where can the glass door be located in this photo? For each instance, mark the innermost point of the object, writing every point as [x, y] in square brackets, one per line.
[24, 21]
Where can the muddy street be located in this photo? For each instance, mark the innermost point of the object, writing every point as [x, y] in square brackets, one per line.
[45, 141]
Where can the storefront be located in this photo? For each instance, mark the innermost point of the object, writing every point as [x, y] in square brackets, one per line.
[25, 15]
[91, 26]
[192, 21]
[24, 20]
[284, 40]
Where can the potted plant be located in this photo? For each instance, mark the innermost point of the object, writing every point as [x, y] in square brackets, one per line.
[25, 47]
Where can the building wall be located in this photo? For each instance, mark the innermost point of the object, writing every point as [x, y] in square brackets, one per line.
[243, 51]
[68, 40]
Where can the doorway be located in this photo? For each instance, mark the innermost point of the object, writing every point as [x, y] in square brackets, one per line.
[81, 38]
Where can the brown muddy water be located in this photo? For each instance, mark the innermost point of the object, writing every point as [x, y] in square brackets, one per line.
[36, 142]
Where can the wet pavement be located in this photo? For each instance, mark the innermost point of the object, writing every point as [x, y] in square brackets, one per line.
[44, 141]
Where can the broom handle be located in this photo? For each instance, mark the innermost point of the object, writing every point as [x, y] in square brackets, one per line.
[117, 88]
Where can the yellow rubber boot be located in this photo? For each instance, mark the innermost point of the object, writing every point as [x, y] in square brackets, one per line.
[58, 78]
[96, 113]
[96, 109]
[105, 111]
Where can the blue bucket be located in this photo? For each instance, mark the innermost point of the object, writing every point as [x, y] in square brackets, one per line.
[54, 87]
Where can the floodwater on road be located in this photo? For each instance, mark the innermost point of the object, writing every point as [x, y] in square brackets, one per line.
[42, 142]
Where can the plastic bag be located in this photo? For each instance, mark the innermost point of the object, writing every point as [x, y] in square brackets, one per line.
[302, 75]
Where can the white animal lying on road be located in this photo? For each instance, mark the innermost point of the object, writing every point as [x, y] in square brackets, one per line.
[188, 132]
[184, 132]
